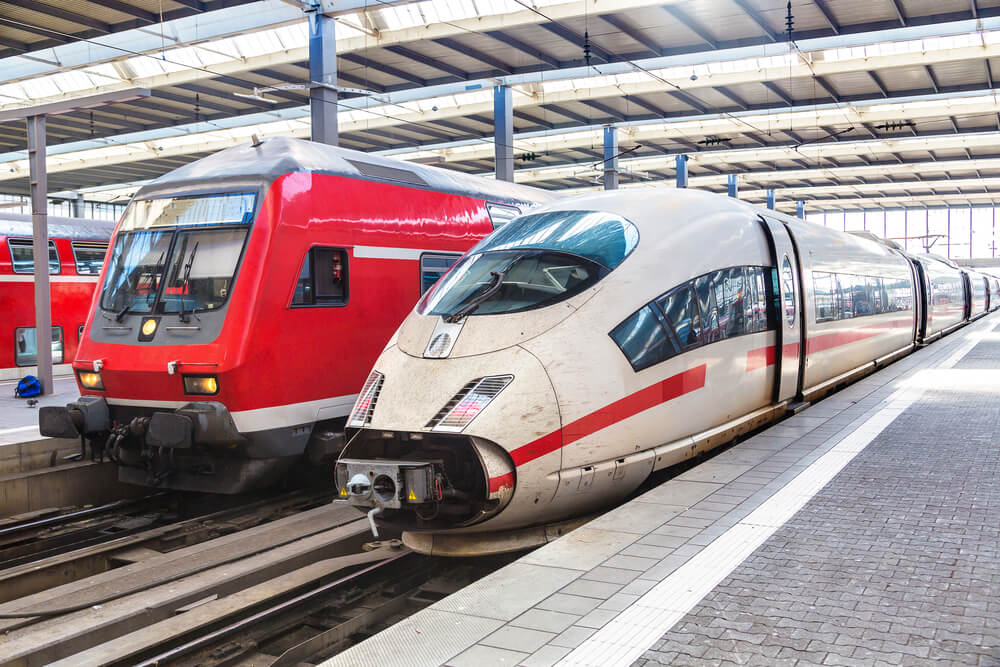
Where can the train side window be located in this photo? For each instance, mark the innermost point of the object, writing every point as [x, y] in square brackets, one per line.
[705, 290]
[22, 256]
[761, 291]
[875, 292]
[26, 347]
[824, 289]
[433, 266]
[730, 295]
[643, 340]
[89, 257]
[681, 312]
[323, 280]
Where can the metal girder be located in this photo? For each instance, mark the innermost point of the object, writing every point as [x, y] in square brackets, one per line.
[503, 133]
[573, 37]
[476, 54]
[35, 30]
[756, 18]
[636, 35]
[730, 95]
[73, 104]
[779, 92]
[899, 12]
[681, 16]
[604, 109]
[386, 69]
[526, 49]
[827, 15]
[457, 72]
[59, 12]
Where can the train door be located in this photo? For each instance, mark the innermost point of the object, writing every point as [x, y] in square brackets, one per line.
[967, 290]
[789, 343]
[920, 302]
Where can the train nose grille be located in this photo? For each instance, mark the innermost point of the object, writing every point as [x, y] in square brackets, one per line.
[468, 403]
[364, 408]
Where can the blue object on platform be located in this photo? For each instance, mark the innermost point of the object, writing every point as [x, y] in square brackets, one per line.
[27, 387]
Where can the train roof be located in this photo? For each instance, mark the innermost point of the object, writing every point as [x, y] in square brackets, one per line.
[277, 156]
[19, 224]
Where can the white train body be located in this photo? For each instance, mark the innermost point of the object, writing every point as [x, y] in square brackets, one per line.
[677, 320]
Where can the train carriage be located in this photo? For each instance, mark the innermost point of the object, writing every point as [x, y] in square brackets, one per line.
[599, 339]
[245, 298]
[77, 247]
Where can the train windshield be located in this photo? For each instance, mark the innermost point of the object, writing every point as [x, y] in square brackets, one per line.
[535, 261]
[177, 255]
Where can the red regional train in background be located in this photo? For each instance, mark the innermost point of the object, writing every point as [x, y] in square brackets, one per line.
[76, 252]
[598, 339]
[245, 298]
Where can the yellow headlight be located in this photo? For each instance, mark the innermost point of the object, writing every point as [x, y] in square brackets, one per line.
[205, 385]
[90, 380]
[148, 327]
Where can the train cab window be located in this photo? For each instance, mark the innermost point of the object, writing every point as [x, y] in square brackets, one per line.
[643, 340]
[22, 256]
[89, 257]
[202, 269]
[433, 266]
[681, 312]
[323, 278]
[704, 288]
[26, 347]
[501, 214]
[731, 297]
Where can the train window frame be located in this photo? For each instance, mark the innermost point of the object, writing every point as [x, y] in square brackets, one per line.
[62, 350]
[310, 260]
[76, 245]
[769, 278]
[54, 263]
[788, 292]
[454, 256]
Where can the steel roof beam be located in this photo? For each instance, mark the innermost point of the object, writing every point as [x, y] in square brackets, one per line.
[636, 35]
[385, 69]
[827, 15]
[35, 30]
[682, 17]
[475, 54]
[59, 12]
[756, 18]
[899, 12]
[576, 39]
[526, 49]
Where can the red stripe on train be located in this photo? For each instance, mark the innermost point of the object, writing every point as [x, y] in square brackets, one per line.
[764, 356]
[502, 481]
[642, 400]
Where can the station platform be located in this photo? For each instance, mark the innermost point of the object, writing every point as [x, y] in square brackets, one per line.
[864, 530]
[18, 421]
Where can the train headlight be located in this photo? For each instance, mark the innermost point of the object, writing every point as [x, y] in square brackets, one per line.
[468, 403]
[361, 415]
[203, 385]
[90, 380]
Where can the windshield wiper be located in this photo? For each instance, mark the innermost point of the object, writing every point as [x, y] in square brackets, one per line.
[496, 282]
[122, 313]
[187, 274]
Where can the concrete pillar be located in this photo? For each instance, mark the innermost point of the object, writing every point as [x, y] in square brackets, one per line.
[610, 158]
[681, 162]
[323, 69]
[770, 199]
[734, 186]
[800, 209]
[40, 225]
[77, 205]
[503, 133]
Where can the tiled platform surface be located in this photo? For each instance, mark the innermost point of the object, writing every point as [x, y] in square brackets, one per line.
[18, 422]
[865, 530]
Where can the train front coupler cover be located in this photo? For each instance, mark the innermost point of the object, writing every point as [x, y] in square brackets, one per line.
[374, 486]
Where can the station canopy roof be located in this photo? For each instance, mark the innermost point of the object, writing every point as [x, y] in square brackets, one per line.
[871, 103]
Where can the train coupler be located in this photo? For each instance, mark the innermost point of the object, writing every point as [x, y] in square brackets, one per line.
[387, 484]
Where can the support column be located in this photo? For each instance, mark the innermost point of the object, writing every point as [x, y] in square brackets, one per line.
[610, 158]
[40, 226]
[770, 199]
[323, 69]
[77, 205]
[503, 133]
[734, 186]
[800, 209]
[681, 163]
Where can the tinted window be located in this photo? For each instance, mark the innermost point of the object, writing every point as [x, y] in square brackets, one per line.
[89, 257]
[788, 287]
[599, 237]
[26, 347]
[729, 295]
[705, 291]
[135, 271]
[433, 266]
[22, 256]
[681, 312]
[824, 287]
[643, 340]
[202, 269]
[323, 278]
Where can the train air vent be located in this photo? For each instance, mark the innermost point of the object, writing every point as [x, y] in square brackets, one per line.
[468, 402]
[384, 173]
[361, 415]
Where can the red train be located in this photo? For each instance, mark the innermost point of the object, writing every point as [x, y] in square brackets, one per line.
[76, 252]
[246, 297]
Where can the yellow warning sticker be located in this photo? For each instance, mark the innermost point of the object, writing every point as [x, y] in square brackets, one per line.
[412, 495]
[343, 491]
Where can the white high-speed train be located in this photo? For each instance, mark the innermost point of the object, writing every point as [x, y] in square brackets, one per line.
[595, 340]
